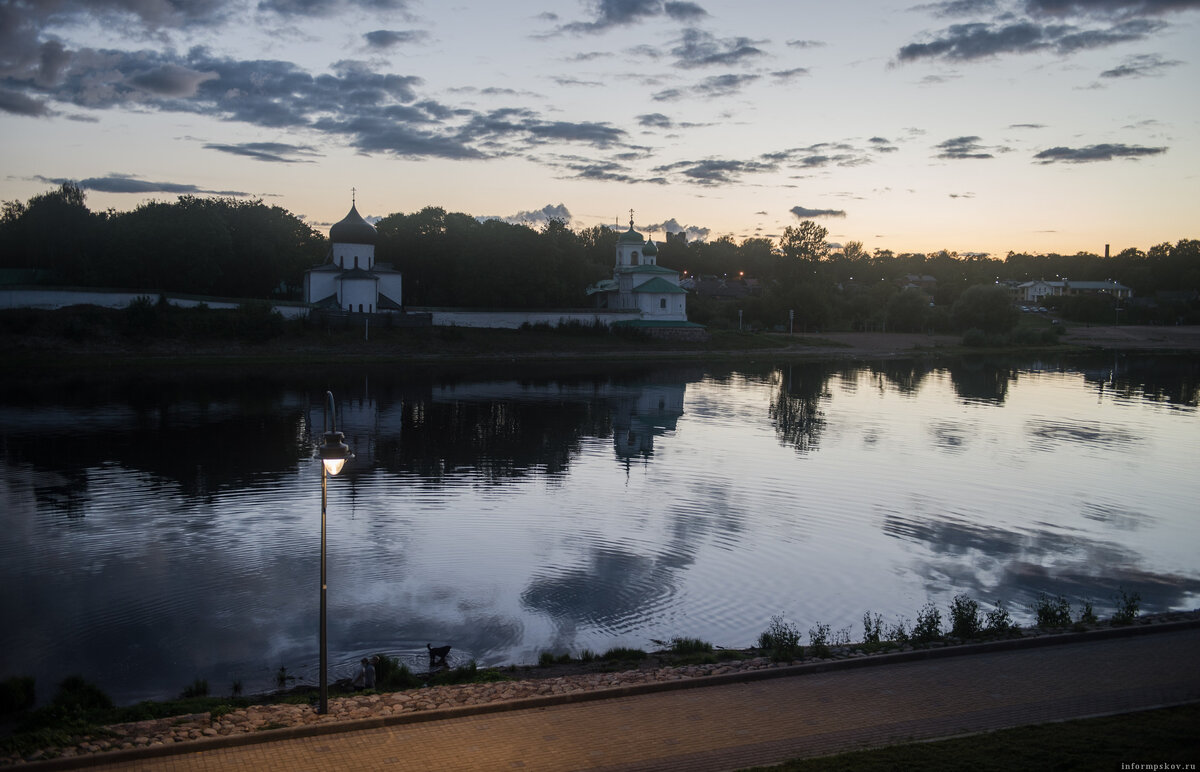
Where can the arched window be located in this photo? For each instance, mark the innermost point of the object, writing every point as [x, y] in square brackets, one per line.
[360, 308]
[356, 261]
[633, 257]
[662, 302]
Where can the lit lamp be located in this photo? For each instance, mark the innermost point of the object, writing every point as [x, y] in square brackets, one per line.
[334, 455]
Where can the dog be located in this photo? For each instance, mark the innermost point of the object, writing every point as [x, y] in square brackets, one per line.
[437, 656]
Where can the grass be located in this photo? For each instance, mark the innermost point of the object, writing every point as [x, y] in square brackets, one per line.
[1166, 736]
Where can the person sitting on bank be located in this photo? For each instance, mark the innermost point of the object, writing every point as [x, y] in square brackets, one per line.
[360, 679]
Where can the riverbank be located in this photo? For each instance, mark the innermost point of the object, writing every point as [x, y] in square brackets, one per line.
[98, 339]
[532, 687]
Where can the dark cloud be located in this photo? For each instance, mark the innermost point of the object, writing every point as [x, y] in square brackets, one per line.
[715, 171]
[619, 13]
[1140, 66]
[654, 120]
[881, 145]
[805, 213]
[1090, 153]
[1109, 8]
[274, 152]
[786, 75]
[697, 48]
[805, 43]
[962, 148]
[722, 85]
[17, 103]
[962, 7]
[387, 38]
[124, 183]
[170, 80]
[980, 40]
[1027, 126]
[684, 11]
[820, 155]
[325, 8]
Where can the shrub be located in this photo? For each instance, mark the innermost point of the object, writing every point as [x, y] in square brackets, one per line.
[17, 694]
[197, 688]
[392, 676]
[1087, 615]
[1052, 612]
[587, 655]
[782, 639]
[621, 653]
[998, 621]
[690, 646]
[1128, 607]
[546, 659]
[75, 695]
[898, 633]
[928, 626]
[964, 617]
[818, 638]
[872, 628]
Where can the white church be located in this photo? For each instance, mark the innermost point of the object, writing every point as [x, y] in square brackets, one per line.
[639, 283]
[641, 293]
[350, 279]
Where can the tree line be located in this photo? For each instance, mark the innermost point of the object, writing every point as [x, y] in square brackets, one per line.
[233, 248]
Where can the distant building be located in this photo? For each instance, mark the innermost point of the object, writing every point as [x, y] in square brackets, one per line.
[639, 283]
[350, 279]
[1034, 291]
[923, 282]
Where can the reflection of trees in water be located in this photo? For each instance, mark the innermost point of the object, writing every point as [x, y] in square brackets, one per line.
[796, 408]
[905, 375]
[498, 438]
[982, 380]
[1174, 380]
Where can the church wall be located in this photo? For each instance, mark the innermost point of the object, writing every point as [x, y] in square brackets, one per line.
[344, 254]
[511, 320]
[357, 295]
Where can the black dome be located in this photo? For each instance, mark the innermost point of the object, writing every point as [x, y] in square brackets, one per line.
[353, 229]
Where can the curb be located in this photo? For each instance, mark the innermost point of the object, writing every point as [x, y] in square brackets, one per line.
[824, 666]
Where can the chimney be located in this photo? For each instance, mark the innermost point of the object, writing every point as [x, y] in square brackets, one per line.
[1106, 251]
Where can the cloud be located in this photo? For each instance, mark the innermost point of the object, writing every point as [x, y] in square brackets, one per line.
[961, 148]
[275, 152]
[1109, 8]
[1140, 66]
[170, 80]
[822, 154]
[537, 216]
[711, 87]
[805, 213]
[654, 120]
[326, 8]
[715, 171]
[388, 38]
[805, 43]
[17, 103]
[1091, 153]
[125, 183]
[697, 48]
[607, 14]
[980, 40]
[792, 74]
[691, 232]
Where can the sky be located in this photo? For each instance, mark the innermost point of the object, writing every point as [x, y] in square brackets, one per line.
[976, 126]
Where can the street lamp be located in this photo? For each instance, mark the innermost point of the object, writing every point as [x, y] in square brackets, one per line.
[334, 455]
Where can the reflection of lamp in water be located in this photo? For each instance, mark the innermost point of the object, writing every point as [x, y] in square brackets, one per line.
[334, 455]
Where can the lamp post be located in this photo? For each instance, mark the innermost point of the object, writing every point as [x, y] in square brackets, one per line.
[334, 454]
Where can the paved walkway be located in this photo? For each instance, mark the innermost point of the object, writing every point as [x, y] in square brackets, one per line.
[764, 722]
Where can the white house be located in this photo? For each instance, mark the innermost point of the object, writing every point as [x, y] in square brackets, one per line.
[350, 279]
[640, 284]
[1034, 291]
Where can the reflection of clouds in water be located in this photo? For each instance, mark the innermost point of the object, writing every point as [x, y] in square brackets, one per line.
[1118, 517]
[1092, 435]
[991, 563]
[949, 436]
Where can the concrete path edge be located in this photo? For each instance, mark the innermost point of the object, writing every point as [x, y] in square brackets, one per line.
[823, 666]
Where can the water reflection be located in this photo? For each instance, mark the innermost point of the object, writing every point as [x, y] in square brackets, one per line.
[163, 528]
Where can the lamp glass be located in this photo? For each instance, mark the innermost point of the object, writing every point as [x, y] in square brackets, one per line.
[334, 465]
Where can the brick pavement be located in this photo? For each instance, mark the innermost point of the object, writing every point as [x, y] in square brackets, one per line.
[736, 725]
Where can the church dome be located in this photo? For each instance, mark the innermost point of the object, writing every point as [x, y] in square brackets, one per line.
[650, 248]
[353, 229]
[630, 237]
